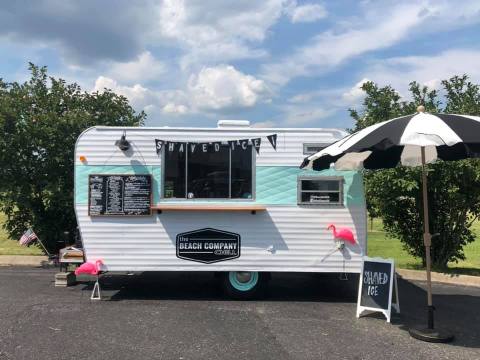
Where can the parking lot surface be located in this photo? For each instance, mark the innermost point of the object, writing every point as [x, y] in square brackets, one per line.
[185, 316]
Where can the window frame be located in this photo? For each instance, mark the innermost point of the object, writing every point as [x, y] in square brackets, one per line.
[173, 199]
[306, 145]
[341, 181]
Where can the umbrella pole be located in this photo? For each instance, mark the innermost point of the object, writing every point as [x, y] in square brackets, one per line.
[427, 241]
[429, 333]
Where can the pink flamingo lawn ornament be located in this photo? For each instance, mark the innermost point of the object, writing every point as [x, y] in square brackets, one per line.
[90, 268]
[343, 234]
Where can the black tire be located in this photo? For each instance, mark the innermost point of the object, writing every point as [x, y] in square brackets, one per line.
[244, 285]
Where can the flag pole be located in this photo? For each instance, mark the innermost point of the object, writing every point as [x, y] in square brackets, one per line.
[43, 246]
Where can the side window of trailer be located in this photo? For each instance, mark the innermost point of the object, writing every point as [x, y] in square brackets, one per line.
[320, 190]
[313, 148]
[220, 173]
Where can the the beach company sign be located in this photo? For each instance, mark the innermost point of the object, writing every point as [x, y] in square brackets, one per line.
[208, 245]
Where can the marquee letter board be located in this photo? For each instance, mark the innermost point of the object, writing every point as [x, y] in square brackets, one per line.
[124, 195]
[375, 291]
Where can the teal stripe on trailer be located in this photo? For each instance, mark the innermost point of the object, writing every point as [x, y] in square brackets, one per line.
[83, 171]
[275, 185]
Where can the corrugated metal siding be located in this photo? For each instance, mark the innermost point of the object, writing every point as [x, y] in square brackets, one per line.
[97, 144]
[297, 235]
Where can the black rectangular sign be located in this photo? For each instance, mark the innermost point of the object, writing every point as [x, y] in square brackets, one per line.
[208, 245]
[376, 281]
[378, 289]
[119, 195]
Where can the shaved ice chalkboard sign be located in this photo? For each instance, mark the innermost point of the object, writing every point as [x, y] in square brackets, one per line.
[121, 195]
[378, 290]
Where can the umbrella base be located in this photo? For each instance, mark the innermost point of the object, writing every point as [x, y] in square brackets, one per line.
[430, 335]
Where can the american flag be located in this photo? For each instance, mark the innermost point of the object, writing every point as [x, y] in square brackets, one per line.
[27, 237]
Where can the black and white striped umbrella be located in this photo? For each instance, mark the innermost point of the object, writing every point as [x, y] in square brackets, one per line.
[389, 143]
[410, 140]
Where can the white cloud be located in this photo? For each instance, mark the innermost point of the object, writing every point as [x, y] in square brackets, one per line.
[264, 124]
[433, 83]
[307, 97]
[306, 13]
[172, 108]
[83, 32]
[331, 48]
[298, 115]
[381, 26]
[137, 94]
[213, 89]
[355, 94]
[145, 67]
[427, 70]
[224, 87]
[217, 30]
[142, 98]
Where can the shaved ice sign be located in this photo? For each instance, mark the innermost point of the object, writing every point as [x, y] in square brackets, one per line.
[377, 282]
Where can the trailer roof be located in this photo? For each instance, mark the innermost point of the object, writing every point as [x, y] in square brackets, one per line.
[232, 128]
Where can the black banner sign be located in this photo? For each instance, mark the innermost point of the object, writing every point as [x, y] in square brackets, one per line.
[273, 140]
[119, 195]
[214, 146]
[158, 145]
[208, 245]
[232, 144]
[256, 144]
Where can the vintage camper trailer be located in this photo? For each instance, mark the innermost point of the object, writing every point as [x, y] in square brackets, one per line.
[230, 199]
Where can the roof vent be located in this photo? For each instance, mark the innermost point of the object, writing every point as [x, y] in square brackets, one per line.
[233, 123]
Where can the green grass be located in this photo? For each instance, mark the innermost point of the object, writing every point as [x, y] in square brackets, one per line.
[11, 247]
[382, 246]
[378, 245]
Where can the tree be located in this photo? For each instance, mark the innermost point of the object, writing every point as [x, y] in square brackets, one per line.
[41, 120]
[453, 187]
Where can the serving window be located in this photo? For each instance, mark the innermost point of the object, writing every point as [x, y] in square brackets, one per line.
[320, 191]
[213, 172]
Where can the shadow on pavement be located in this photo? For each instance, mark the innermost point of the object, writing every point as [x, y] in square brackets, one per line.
[455, 312]
[457, 308]
[205, 286]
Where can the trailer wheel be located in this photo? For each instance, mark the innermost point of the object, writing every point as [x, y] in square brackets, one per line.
[244, 285]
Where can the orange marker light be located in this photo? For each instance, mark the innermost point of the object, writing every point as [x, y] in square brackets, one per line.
[83, 158]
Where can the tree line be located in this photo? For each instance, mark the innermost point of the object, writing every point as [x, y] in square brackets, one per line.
[42, 118]
[395, 195]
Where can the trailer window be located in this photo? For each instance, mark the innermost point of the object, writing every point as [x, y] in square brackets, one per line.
[207, 174]
[174, 184]
[223, 174]
[320, 191]
[241, 174]
[313, 148]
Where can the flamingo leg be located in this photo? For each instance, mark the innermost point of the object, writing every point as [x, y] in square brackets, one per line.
[96, 293]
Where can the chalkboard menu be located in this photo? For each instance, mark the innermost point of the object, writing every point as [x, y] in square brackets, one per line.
[377, 281]
[129, 195]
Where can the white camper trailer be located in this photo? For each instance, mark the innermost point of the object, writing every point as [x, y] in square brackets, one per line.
[230, 199]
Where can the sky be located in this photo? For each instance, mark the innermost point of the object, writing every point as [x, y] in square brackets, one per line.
[276, 63]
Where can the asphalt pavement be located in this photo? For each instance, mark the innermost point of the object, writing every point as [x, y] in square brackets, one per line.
[185, 316]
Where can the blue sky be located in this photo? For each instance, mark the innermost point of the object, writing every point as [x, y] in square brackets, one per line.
[282, 63]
